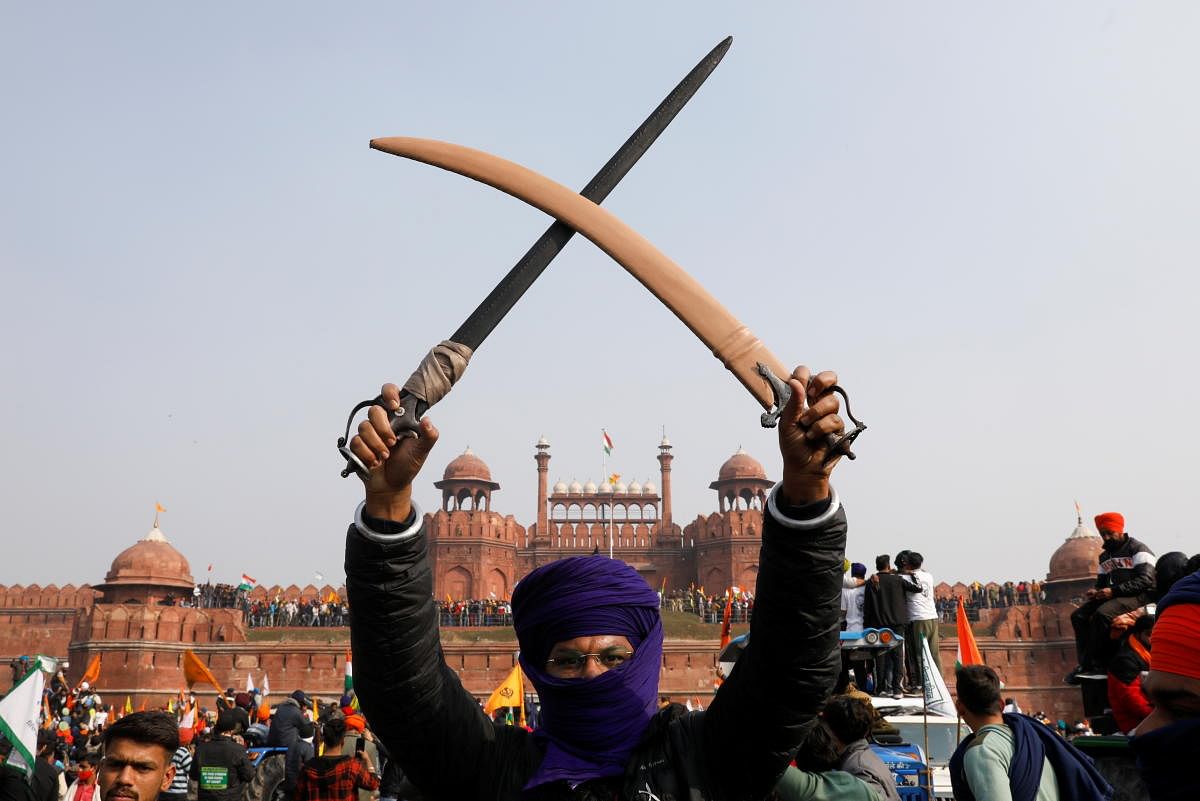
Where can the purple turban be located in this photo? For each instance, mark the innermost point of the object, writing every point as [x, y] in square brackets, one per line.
[589, 726]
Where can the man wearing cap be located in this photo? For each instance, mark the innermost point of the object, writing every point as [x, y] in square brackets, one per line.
[591, 643]
[288, 716]
[853, 598]
[1126, 573]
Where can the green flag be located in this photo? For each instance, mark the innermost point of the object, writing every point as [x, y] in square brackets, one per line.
[20, 713]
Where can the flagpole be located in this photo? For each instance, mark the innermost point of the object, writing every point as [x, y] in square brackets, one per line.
[604, 477]
[925, 716]
[610, 535]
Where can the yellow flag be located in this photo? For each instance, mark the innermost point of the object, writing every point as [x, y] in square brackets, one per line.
[128, 705]
[510, 693]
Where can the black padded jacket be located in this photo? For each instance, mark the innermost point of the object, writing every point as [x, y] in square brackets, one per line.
[1127, 569]
[737, 749]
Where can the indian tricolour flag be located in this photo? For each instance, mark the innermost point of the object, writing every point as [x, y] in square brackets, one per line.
[248, 582]
[968, 649]
[19, 718]
[606, 442]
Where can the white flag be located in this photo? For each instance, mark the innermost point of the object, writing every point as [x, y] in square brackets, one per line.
[250, 683]
[188, 721]
[20, 712]
[937, 697]
[266, 686]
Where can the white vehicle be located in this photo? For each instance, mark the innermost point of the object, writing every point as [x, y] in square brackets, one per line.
[942, 743]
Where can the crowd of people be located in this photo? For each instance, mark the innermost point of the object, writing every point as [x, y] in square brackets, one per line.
[474, 612]
[899, 598]
[591, 643]
[710, 607]
[329, 752]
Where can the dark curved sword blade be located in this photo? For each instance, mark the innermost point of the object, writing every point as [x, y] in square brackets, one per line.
[505, 295]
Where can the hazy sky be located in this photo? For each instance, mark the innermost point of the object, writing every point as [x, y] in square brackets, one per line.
[982, 215]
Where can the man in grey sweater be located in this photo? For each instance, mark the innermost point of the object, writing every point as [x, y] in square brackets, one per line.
[849, 720]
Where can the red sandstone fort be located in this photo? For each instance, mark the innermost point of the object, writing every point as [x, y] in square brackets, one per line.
[478, 553]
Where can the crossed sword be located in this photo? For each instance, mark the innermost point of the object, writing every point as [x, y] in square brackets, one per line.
[758, 370]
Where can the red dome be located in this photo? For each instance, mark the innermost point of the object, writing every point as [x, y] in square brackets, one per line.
[467, 466]
[150, 562]
[1077, 558]
[741, 465]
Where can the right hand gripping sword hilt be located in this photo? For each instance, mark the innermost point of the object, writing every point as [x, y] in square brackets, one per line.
[838, 444]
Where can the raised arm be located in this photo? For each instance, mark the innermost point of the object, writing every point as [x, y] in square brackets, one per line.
[414, 702]
[764, 710]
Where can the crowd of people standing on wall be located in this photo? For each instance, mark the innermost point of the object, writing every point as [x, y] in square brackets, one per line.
[474, 612]
[710, 608]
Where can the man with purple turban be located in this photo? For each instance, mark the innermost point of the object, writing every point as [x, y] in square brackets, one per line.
[591, 642]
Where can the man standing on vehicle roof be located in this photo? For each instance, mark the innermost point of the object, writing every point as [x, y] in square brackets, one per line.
[884, 607]
[922, 615]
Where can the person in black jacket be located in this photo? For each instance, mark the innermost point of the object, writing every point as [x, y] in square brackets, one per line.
[584, 669]
[45, 776]
[221, 765]
[13, 783]
[886, 607]
[1126, 574]
[288, 717]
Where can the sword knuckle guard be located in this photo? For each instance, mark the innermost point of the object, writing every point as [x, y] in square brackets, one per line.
[838, 445]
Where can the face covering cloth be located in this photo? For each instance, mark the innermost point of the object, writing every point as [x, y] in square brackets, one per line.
[589, 727]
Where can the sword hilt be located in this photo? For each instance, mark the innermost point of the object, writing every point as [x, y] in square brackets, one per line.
[837, 444]
[404, 422]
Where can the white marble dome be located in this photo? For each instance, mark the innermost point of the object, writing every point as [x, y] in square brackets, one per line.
[605, 489]
[649, 489]
[590, 487]
[559, 487]
[575, 487]
[620, 488]
[635, 488]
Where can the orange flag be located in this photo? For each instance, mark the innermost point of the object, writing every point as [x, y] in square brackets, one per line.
[264, 711]
[194, 670]
[93, 671]
[725, 635]
[968, 650]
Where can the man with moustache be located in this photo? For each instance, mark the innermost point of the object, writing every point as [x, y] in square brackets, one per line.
[137, 757]
[1125, 575]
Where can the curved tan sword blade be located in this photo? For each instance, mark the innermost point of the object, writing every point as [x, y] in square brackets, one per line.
[730, 341]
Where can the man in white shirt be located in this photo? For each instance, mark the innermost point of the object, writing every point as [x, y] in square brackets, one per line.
[854, 591]
[852, 598]
[922, 613]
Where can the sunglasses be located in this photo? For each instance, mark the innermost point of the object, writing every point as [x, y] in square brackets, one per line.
[573, 662]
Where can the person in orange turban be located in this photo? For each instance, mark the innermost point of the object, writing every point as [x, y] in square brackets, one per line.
[1124, 581]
